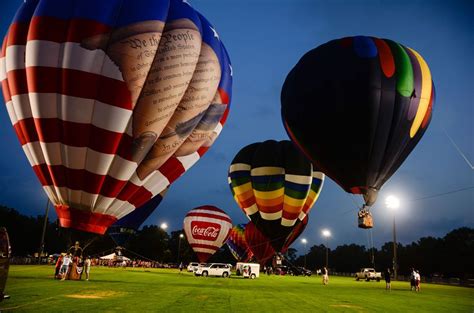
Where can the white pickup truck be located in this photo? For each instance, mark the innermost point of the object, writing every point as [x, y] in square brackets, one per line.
[368, 274]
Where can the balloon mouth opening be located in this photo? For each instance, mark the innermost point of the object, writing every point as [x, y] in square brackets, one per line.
[82, 220]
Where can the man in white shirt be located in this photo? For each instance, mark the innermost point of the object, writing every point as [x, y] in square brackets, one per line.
[65, 266]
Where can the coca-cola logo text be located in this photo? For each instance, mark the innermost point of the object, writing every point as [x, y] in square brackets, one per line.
[205, 231]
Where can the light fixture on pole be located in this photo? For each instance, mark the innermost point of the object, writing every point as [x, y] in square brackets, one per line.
[181, 236]
[164, 226]
[326, 234]
[393, 203]
[304, 241]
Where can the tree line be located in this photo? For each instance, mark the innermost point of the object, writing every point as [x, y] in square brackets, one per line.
[450, 256]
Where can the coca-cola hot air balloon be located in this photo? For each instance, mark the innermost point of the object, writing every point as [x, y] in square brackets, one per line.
[207, 229]
[357, 107]
[112, 100]
[276, 187]
[237, 244]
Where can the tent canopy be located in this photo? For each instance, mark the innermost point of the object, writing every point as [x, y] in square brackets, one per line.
[114, 256]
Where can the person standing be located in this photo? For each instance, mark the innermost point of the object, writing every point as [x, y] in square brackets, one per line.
[65, 266]
[388, 285]
[181, 267]
[59, 262]
[412, 279]
[325, 276]
[87, 267]
[417, 281]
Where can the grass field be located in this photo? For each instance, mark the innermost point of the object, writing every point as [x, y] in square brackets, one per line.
[32, 288]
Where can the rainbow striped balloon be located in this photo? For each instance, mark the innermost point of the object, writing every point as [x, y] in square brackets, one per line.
[237, 244]
[276, 187]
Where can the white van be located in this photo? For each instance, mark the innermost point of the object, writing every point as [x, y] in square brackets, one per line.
[248, 270]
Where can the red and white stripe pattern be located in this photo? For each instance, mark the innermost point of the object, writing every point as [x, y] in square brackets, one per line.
[207, 229]
[75, 134]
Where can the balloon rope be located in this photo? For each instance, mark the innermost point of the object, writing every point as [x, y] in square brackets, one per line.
[458, 149]
[426, 197]
[442, 194]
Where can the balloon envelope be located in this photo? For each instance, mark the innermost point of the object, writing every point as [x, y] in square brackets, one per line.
[207, 229]
[276, 187]
[124, 228]
[259, 244]
[237, 244]
[112, 100]
[357, 106]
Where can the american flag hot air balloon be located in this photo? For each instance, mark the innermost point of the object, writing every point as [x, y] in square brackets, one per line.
[112, 100]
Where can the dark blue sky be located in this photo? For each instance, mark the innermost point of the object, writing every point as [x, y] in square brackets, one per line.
[265, 39]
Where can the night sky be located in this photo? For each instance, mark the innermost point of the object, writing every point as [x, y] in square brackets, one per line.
[265, 39]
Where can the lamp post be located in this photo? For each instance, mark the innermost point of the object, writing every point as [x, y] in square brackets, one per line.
[326, 234]
[304, 241]
[179, 245]
[393, 203]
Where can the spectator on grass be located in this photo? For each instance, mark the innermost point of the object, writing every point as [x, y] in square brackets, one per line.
[87, 267]
[417, 280]
[387, 277]
[325, 276]
[181, 267]
[65, 266]
[412, 279]
[59, 262]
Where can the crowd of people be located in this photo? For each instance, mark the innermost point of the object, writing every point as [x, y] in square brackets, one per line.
[415, 280]
[70, 265]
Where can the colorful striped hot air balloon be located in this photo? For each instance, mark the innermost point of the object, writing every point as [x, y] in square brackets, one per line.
[207, 229]
[237, 244]
[276, 187]
[112, 100]
[357, 107]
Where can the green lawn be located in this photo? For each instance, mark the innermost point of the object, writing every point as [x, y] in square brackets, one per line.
[136, 290]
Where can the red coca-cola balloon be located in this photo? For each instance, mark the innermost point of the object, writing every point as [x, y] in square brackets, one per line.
[207, 229]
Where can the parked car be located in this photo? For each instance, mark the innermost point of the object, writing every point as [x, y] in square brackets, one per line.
[248, 270]
[300, 271]
[213, 269]
[368, 274]
[192, 266]
[281, 270]
[4, 261]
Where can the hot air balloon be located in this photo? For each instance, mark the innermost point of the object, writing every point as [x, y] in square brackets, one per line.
[112, 100]
[237, 244]
[276, 187]
[207, 229]
[259, 244]
[357, 107]
[127, 226]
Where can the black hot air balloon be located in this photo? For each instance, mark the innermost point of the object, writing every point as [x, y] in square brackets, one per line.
[357, 107]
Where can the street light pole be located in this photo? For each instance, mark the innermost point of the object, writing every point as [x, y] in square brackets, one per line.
[179, 245]
[326, 233]
[395, 265]
[393, 203]
[304, 241]
[327, 252]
